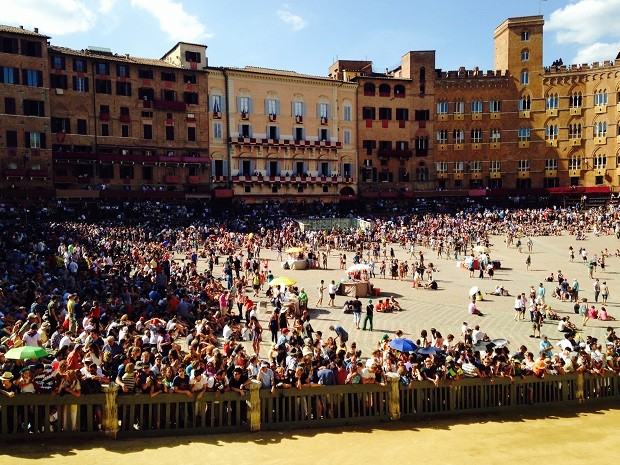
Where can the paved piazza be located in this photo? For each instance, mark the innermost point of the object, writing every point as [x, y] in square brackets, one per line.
[446, 308]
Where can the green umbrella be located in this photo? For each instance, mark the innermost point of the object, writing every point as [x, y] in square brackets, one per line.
[26, 353]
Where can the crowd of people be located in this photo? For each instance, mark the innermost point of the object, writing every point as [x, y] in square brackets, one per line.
[123, 300]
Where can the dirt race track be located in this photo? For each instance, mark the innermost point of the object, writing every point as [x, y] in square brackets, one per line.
[551, 437]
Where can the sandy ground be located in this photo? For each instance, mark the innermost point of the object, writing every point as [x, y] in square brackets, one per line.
[559, 436]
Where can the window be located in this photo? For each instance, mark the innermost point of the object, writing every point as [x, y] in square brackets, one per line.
[369, 89]
[33, 78]
[11, 138]
[123, 88]
[495, 135]
[600, 97]
[523, 165]
[245, 130]
[272, 132]
[347, 136]
[146, 93]
[147, 131]
[193, 57]
[574, 163]
[552, 102]
[600, 129]
[399, 90]
[525, 103]
[103, 86]
[323, 110]
[169, 95]
[58, 62]
[272, 107]
[459, 107]
[299, 134]
[551, 164]
[459, 166]
[9, 45]
[476, 106]
[525, 77]
[422, 115]
[80, 84]
[458, 135]
[31, 48]
[368, 113]
[58, 81]
[61, 125]
[551, 132]
[79, 66]
[191, 134]
[575, 100]
[124, 130]
[476, 135]
[525, 55]
[442, 136]
[475, 166]
[126, 172]
[495, 106]
[574, 131]
[385, 113]
[346, 116]
[191, 98]
[216, 104]
[369, 146]
[441, 166]
[402, 145]
[9, 106]
[525, 134]
[10, 75]
[421, 146]
[167, 76]
[600, 161]
[82, 127]
[102, 69]
[299, 109]
[145, 73]
[244, 105]
[402, 114]
[35, 140]
[34, 108]
[122, 71]
[169, 132]
[384, 90]
[525, 36]
[105, 129]
[324, 135]
[217, 130]
[442, 108]
[495, 166]
[104, 110]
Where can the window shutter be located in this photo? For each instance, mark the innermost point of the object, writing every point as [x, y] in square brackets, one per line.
[238, 104]
[266, 106]
[251, 133]
[43, 140]
[292, 106]
[318, 110]
[303, 109]
[1, 74]
[39, 78]
[277, 107]
[329, 107]
[211, 106]
[27, 140]
[251, 106]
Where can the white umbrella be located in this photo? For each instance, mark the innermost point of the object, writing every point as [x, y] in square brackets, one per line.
[482, 249]
[474, 291]
[358, 267]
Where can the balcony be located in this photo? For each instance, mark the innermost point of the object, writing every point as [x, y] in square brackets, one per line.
[552, 112]
[74, 156]
[495, 145]
[284, 142]
[495, 175]
[476, 146]
[524, 114]
[442, 146]
[495, 115]
[600, 109]
[39, 173]
[575, 111]
[324, 120]
[575, 142]
[524, 144]
[172, 179]
[272, 117]
[169, 105]
[525, 174]
[460, 146]
[459, 117]
[574, 173]
[299, 119]
[551, 142]
[476, 116]
[124, 119]
[14, 172]
[217, 114]
[442, 117]
[193, 180]
[551, 173]
[104, 116]
[601, 140]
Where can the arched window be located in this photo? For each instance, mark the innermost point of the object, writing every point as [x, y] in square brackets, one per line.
[422, 80]
[399, 90]
[384, 90]
[421, 172]
[369, 89]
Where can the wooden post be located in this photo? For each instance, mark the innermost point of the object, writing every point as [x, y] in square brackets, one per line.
[110, 411]
[393, 381]
[254, 407]
[579, 394]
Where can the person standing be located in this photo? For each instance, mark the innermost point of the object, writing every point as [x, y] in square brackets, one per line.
[321, 290]
[597, 290]
[604, 292]
[575, 290]
[528, 262]
[331, 290]
[340, 333]
[540, 294]
[369, 315]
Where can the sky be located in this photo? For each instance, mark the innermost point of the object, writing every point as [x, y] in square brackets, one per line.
[307, 36]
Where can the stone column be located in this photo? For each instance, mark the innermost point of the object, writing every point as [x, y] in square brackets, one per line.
[393, 382]
[254, 406]
[110, 411]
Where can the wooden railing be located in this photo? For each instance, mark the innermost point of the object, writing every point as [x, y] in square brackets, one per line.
[122, 416]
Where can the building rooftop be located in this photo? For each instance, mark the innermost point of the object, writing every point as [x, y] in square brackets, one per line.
[21, 30]
[270, 71]
[93, 53]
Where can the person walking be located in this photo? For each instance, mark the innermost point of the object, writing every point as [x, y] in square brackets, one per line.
[604, 292]
[528, 262]
[321, 290]
[357, 312]
[597, 290]
[331, 290]
[369, 315]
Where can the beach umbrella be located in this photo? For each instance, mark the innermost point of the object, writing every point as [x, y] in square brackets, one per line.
[26, 353]
[358, 267]
[474, 291]
[482, 249]
[499, 343]
[429, 351]
[294, 249]
[484, 345]
[403, 345]
[282, 281]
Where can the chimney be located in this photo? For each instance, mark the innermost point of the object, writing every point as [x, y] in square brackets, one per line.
[21, 27]
[36, 30]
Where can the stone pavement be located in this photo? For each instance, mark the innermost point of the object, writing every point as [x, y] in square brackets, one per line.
[446, 308]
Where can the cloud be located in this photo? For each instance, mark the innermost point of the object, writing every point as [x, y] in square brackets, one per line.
[590, 24]
[296, 21]
[174, 20]
[52, 17]
[106, 6]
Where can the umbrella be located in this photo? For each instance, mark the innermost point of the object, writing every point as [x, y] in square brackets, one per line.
[358, 267]
[474, 291]
[26, 353]
[282, 281]
[429, 351]
[499, 343]
[484, 345]
[294, 249]
[482, 249]
[403, 345]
